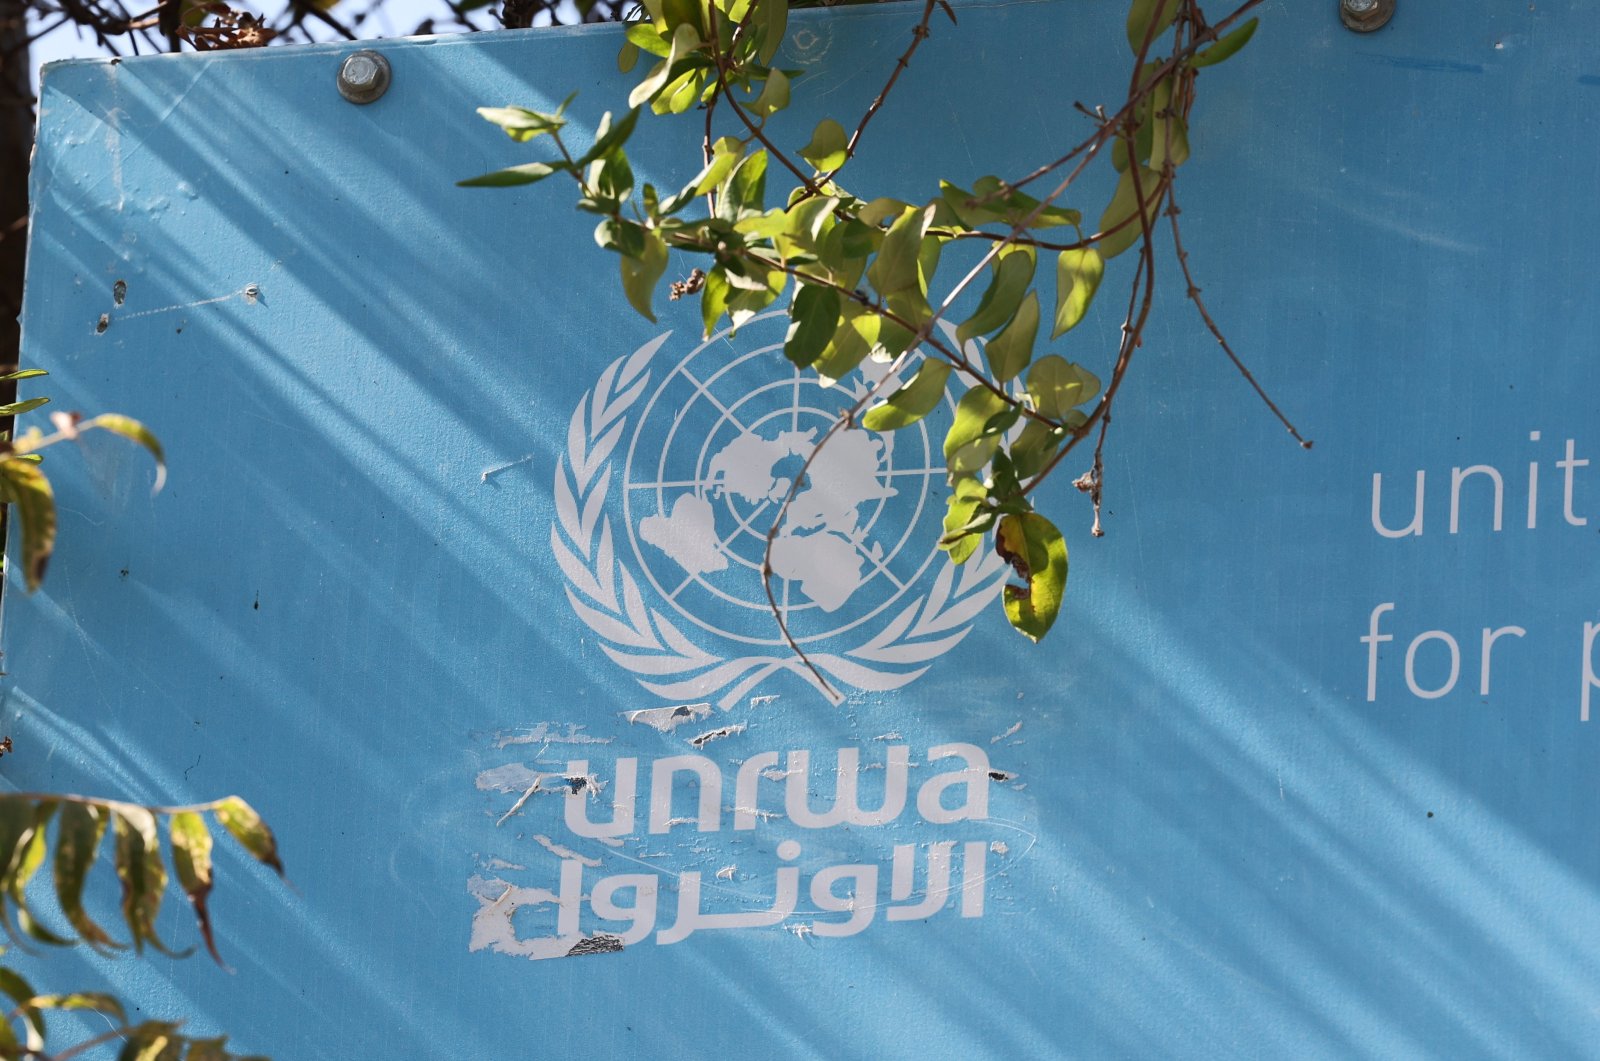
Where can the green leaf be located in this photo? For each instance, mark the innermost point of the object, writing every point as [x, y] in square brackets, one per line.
[1124, 207]
[1171, 143]
[1007, 205]
[527, 173]
[1056, 385]
[78, 833]
[1140, 16]
[966, 519]
[772, 18]
[18, 408]
[882, 209]
[608, 136]
[858, 332]
[685, 39]
[743, 191]
[624, 237]
[764, 288]
[774, 95]
[645, 37]
[92, 1000]
[896, 268]
[1037, 444]
[10, 1046]
[912, 401]
[1012, 273]
[21, 992]
[26, 373]
[240, 819]
[191, 861]
[714, 299]
[1038, 554]
[26, 860]
[826, 151]
[1009, 352]
[1226, 46]
[143, 874]
[981, 417]
[522, 124]
[641, 274]
[813, 319]
[131, 429]
[1078, 274]
[151, 1041]
[28, 489]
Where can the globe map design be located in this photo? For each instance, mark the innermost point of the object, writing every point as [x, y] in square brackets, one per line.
[716, 451]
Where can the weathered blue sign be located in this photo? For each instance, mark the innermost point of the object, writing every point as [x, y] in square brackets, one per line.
[456, 576]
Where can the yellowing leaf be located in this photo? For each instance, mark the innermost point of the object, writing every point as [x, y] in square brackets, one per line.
[1037, 553]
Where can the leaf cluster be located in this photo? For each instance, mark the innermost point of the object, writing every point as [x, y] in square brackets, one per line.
[863, 273]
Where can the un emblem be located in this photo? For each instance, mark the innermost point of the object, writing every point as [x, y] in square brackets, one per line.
[675, 470]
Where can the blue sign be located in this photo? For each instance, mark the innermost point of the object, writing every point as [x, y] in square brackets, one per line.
[456, 575]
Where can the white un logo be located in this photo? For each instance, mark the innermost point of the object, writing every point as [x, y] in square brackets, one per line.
[692, 458]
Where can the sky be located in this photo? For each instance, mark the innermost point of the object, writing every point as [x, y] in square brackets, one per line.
[393, 18]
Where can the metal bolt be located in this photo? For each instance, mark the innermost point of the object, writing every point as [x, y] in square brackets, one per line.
[363, 76]
[1364, 16]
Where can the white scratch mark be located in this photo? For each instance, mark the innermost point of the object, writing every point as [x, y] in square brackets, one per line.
[726, 872]
[1008, 733]
[518, 804]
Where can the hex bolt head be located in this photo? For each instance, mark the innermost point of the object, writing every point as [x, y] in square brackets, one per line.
[363, 76]
[1364, 16]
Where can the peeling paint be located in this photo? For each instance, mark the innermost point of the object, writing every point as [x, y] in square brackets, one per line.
[601, 944]
[546, 733]
[726, 872]
[667, 719]
[716, 734]
[563, 852]
[507, 466]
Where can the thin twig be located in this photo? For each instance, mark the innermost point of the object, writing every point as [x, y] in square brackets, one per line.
[919, 33]
[1211, 325]
[721, 61]
[1134, 98]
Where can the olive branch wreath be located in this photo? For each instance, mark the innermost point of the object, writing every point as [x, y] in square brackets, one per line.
[605, 595]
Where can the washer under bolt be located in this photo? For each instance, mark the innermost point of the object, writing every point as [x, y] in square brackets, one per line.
[1364, 16]
[363, 76]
